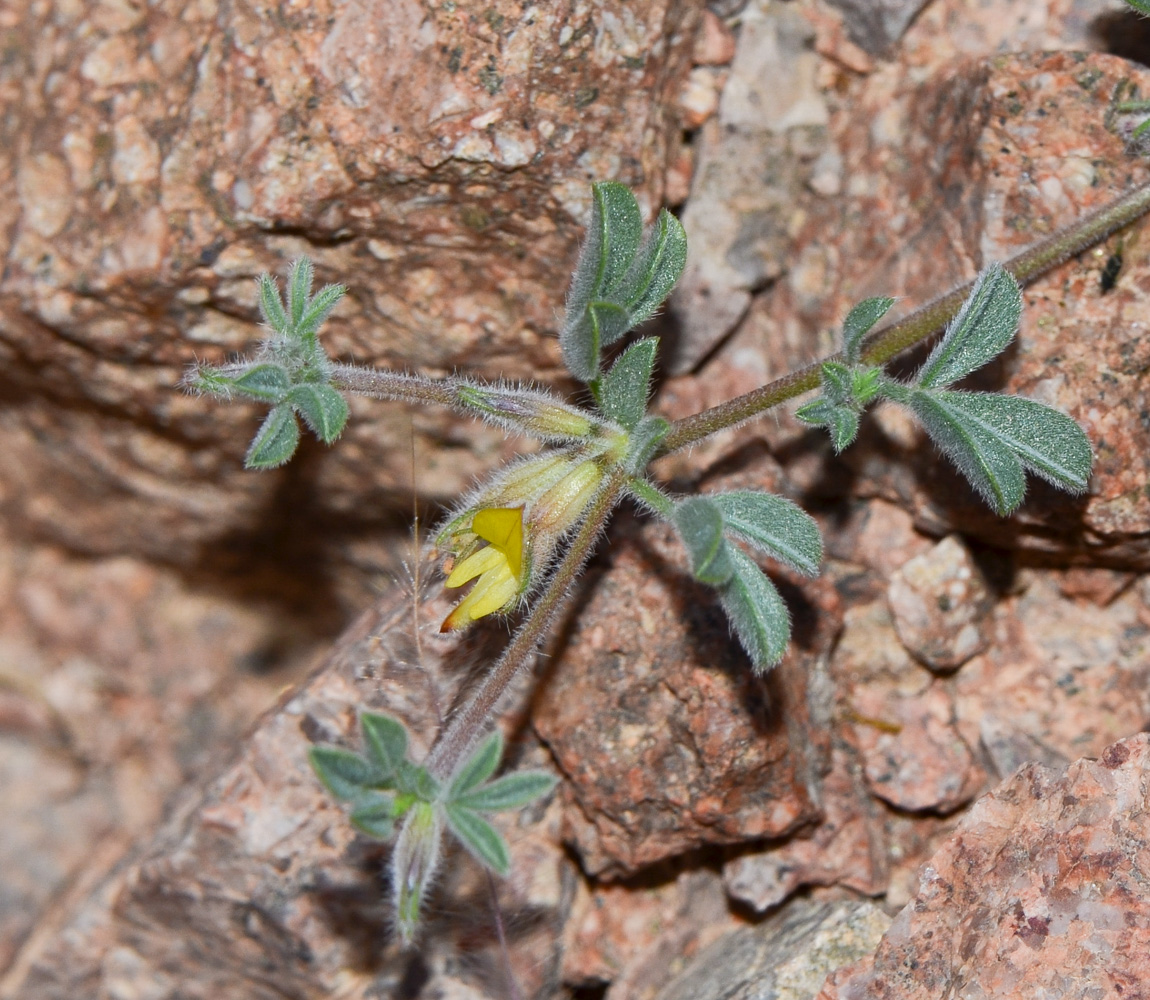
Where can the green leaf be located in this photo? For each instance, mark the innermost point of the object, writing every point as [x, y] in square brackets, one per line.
[837, 381]
[271, 305]
[478, 767]
[644, 442]
[624, 389]
[416, 780]
[982, 456]
[983, 328]
[757, 612]
[345, 774]
[842, 422]
[618, 283]
[479, 837]
[859, 322]
[700, 524]
[268, 382]
[775, 526]
[318, 309]
[1142, 6]
[276, 440]
[512, 791]
[323, 409]
[374, 814]
[299, 289]
[1047, 442]
[386, 741]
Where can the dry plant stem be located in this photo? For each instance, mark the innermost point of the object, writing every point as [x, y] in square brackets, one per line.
[469, 723]
[883, 345]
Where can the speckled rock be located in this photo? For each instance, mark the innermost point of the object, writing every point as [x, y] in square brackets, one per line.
[941, 604]
[1041, 891]
[784, 958]
[1021, 145]
[666, 737]
[436, 158]
[846, 848]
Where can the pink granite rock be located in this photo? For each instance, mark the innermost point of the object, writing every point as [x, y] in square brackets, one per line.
[1041, 891]
[666, 737]
[941, 604]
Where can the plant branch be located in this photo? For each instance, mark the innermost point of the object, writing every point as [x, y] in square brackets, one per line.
[468, 724]
[883, 345]
[392, 385]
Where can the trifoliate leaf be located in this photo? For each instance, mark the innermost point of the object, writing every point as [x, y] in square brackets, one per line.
[416, 780]
[271, 305]
[618, 283]
[840, 420]
[318, 309]
[981, 455]
[268, 382]
[374, 814]
[299, 290]
[983, 328]
[859, 322]
[276, 440]
[624, 389]
[773, 525]
[323, 409]
[478, 767]
[386, 741]
[479, 837]
[700, 525]
[512, 791]
[1047, 442]
[756, 612]
[345, 774]
[837, 382]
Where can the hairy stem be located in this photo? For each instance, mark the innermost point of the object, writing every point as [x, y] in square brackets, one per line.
[883, 345]
[469, 723]
[392, 385]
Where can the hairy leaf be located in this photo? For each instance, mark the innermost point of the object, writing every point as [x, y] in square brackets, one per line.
[478, 767]
[386, 741]
[983, 328]
[318, 309]
[276, 440]
[271, 305]
[299, 289]
[345, 774]
[841, 421]
[645, 440]
[323, 409]
[859, 322]
[775, 526]
[1047, 442]
[512, 791]
[268, 382]
[374, 814]
[756, 612]
[624, 390]
[479, 837]
[979, 454]
[700, 525]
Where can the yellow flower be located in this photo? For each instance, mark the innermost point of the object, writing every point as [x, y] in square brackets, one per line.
[499, 566]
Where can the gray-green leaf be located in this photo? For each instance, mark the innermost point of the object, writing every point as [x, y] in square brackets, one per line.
[386, 741]
[624, 389]
[700, 525]
[773, 525]
[1047, 442]
[323, 408]
[345, 774]
[318, 309]
[645, 440]
[983, 457]
[512, 791]
[841, 421]
[479, 837]
[276, 440]
[756, 612]
[374, 814]
[268, 382]
[299, 288]
[858, 323]
[983, 328]
[478, 767]
[271, 305]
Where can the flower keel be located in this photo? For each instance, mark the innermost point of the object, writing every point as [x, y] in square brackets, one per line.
[498, 566]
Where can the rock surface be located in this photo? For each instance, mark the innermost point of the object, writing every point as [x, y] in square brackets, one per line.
[1040, 892]
[436, 159]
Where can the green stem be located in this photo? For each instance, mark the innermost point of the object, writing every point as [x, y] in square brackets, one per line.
[470, 722]
[883, 345]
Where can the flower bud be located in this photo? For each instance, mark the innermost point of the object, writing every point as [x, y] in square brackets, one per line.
[530, 411]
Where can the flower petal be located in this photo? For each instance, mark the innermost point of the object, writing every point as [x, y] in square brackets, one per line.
[503, 528]
[482, 561]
